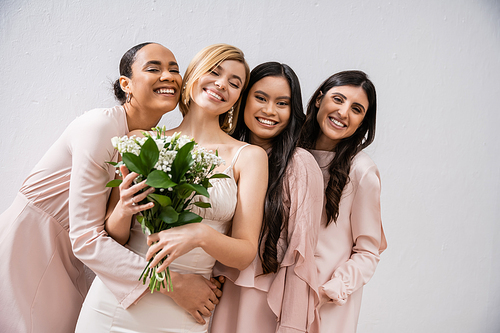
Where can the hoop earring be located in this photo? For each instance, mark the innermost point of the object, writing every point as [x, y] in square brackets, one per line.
[230, 115]
[129, 97]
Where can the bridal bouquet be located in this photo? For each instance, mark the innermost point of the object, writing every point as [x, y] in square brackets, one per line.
[178, 169]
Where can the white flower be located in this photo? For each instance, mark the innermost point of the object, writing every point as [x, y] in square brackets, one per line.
[115, 141]
[160, 143]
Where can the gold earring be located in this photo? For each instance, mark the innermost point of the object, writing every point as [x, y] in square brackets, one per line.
[230, 114]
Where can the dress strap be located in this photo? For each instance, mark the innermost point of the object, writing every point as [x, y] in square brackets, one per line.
[238, 154]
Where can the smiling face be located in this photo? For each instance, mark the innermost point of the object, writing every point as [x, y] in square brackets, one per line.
[267, 109]
[155, 82]
[341, 111]
[219, 89]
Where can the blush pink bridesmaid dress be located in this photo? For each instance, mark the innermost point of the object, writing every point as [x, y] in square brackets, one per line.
[349, 250]
[284, 301]
[59, 209]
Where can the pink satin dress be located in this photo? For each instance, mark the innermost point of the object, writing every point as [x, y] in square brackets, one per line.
[59, 209]
[284, 301]
[349, 250]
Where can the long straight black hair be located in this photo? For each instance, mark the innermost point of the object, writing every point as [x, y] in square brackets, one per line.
[280, 155]
[347, 148]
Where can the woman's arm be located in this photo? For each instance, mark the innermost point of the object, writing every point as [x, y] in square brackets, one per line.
[122, 203]
[239, 250]
[122, 206]
[89, 140]
[368, 237]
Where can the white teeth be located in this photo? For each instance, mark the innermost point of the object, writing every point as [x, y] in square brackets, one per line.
[338, 123]
[165, 91]
[267, 122]
[214, 95]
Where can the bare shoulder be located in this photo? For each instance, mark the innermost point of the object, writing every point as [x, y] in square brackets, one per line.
[252, 162]
[252, 154]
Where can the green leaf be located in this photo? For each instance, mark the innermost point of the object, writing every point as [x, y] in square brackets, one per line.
[188, 217]
[143, 223]
[219, 175]
[134, 163]
[159, 179]
[163, 200]
[169, 215]
[113, 163]
[200, 190]
[184, 190]
[206, 183]
[114, 183]
[202, 204]
[182, 162]
[149, 154]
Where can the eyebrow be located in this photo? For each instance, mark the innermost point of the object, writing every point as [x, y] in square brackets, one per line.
[234, 76]
[360, 105]
[158, 62]
[279, 97]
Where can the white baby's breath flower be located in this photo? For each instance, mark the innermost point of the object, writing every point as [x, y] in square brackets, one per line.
[115, 141]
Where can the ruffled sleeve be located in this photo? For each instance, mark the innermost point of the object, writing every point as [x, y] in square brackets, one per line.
[293, 294]
[89, 140]
[368, 239]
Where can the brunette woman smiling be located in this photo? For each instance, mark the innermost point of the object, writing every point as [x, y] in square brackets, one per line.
[56, 223]
[278, 291]
[210, 102]
[340, 123]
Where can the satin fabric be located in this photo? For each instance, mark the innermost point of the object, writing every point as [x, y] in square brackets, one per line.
[155, 312]
[349, 249]
[284, 301]
[59, 208]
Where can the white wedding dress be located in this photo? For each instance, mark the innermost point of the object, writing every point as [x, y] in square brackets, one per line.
[101, 312]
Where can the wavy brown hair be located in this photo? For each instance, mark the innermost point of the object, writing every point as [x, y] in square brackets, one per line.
[347, 148]
[279, 157]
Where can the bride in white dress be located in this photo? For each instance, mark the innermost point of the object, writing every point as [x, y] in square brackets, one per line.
[210, 101]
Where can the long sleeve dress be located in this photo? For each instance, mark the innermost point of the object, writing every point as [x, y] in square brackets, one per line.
[348, 251]
[284, 301]
[55, 223]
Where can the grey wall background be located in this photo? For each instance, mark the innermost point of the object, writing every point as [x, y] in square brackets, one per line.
[436, 66]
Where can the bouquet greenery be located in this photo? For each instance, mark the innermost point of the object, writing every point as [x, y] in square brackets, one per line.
[179, 170]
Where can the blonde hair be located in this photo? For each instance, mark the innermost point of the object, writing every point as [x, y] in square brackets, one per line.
[202, 63]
